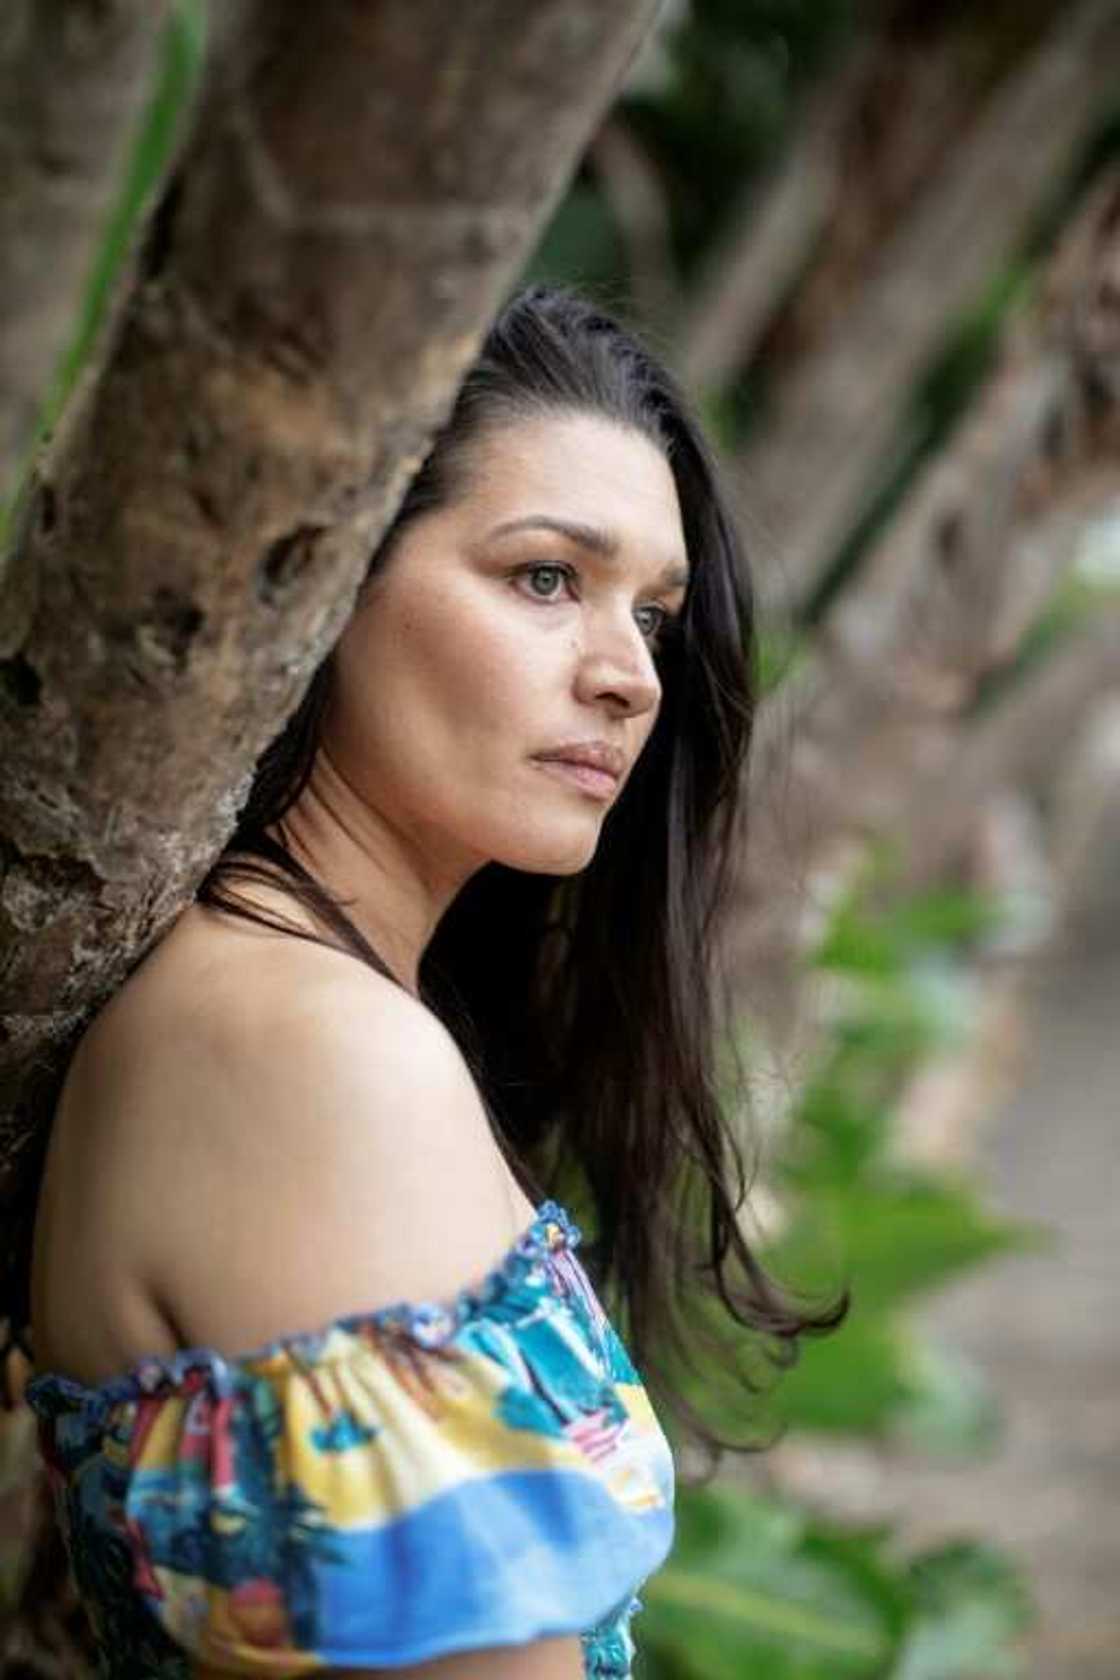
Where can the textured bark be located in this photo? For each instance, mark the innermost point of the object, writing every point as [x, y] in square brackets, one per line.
[873, 137]
[361, 187]
[874, 739]
[74, 76]
[837, 416]
[1024, 743]
[926, 80]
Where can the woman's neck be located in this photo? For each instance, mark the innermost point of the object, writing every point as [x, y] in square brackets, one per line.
[385, 882]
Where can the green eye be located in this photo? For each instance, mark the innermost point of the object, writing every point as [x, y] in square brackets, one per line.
[551, 575]
[651, 620]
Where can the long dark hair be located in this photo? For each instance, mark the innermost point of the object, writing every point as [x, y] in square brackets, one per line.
[586, 1005]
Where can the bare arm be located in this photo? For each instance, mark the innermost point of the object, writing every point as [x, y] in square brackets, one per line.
[545, 1659]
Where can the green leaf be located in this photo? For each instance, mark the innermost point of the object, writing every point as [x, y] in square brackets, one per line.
[754, 1587]
[946, 917]
[875, 1378]
[897, 1236]
[853, 944]
[887, 941]
[781, 654]
[840, 1130]
[953, 1410]
[973, 1608]
[889, 1237]
[912, 1237]
[855, 1381]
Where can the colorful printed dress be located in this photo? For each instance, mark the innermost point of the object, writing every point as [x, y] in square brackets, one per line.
[393, 1487]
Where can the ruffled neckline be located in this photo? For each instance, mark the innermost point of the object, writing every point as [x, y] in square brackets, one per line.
[429, 1323]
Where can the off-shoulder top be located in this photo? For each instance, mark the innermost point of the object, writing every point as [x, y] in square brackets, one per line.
[389, 1488]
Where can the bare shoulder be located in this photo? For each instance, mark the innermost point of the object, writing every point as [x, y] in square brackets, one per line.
[256, 1011]
[309, 1136]
[233, 1013]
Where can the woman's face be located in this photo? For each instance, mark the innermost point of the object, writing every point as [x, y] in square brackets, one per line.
[498, 682]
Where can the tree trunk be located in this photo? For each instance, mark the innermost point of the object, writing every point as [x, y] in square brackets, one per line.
[837, 414]
[361, 187]
[875, 738]
[73, 79]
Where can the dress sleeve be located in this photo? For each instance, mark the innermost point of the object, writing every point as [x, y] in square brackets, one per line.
[392, 1489]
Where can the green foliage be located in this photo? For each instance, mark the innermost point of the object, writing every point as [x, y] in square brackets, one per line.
[971, 1607]
[900, 1235]
[757, 1586]
[852, 1380]
[891, 1232]
[760, 1585]
[915, 930]
[856, 1216]
[951, 1410]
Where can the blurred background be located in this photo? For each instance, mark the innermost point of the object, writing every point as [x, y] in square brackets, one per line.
[879, 243]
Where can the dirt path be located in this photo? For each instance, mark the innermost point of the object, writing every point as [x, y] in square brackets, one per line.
[1046, 1332]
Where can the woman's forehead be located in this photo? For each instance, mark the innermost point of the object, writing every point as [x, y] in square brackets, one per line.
[580, 470]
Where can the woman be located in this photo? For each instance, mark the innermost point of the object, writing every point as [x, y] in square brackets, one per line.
[510, 794]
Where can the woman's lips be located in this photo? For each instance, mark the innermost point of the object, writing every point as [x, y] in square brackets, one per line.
[601, 784]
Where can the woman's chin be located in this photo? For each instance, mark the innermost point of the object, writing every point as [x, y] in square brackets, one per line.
[551, 854]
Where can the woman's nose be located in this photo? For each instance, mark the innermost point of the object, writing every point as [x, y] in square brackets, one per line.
[617, 669]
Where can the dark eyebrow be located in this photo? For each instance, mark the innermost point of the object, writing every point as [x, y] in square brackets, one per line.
[591, 537]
